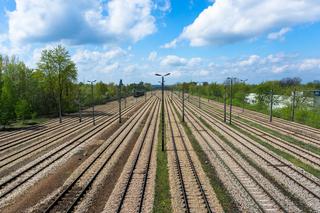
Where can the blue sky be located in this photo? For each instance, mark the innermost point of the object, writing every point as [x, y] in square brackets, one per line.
[199, 40]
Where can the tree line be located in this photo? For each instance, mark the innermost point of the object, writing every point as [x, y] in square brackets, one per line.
[26, 93]
[305, 113]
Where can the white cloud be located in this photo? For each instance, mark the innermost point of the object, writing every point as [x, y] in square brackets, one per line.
[250, 61]
[152, 56]
[87, 21]
[279, 35]
[228, 21]
[194, 61]
[310, 64]
[173, 60]
[172, 44]
[280, 69]
[98, 61]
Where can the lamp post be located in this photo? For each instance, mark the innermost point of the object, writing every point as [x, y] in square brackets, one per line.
[93, 119]
[183, 88]
[162, 108]
[271, 105]
[119, 97]
[225, 103]
[79, 103]
[244, 82]
[293, 104]
[230, 113]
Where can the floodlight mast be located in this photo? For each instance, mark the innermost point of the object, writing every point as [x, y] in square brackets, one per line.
[162, 108]
[92, 102]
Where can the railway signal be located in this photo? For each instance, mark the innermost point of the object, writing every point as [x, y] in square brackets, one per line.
[162, 108]
[92, 101]
[271, 105]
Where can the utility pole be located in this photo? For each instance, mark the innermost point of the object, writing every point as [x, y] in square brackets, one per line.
[230, 115]
[92, 101]
[225, 104]
[79, 102]
[119, 97]
[60, 95]
[293, 104]
[271, 104]
[199, 96]
[183, 103]
[162, 109]
[145, 96]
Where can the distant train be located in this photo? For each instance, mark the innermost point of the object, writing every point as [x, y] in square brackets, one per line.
[138, 93]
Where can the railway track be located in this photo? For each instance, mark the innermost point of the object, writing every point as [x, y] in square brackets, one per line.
[194, 196]
[129, 193]
[11, 182]
[265, 196]
[301, 153]
[54, 123]
[292, 129]
[19, 154]
[47, 129]
[301, 184]
[72, 193]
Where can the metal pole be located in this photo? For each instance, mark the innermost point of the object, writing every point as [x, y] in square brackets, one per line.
[199, 96]
[183, 103]
[271, 105]
[80, 116]
[293, 104]
[60, 94]
[119, 96]
[145, 96]
[162, 114]
[230, 115]
[93, 118]
[225, 104]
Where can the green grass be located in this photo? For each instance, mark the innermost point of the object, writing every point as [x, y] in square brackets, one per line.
[263, 172]
[221, 191]
[295, 161]
[294, 141]
[162, 200]
[26, 123]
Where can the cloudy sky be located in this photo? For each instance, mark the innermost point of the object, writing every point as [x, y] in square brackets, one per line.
[199, 40]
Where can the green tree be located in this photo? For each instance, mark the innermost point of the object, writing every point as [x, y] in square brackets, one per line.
[22, 110]
[60, 75]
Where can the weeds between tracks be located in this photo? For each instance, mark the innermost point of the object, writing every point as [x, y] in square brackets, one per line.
[282, 188]
[162, 199]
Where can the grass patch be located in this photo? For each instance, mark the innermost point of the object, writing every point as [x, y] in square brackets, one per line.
[162, 200]
[264, 173]
[305, 146]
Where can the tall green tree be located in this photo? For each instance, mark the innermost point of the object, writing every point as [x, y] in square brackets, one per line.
[60, 76]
